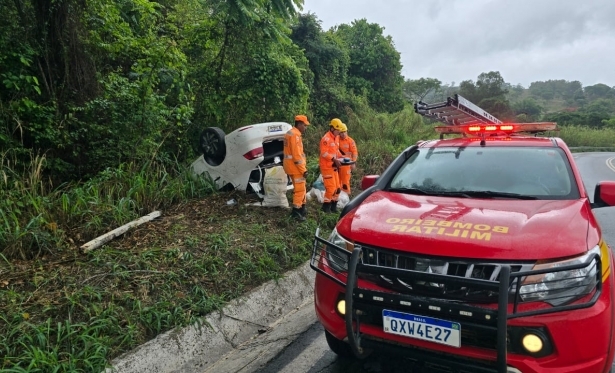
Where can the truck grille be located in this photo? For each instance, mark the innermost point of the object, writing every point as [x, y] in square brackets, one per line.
[462, 292]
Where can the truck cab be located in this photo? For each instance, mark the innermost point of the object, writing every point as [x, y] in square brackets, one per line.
[475, 253]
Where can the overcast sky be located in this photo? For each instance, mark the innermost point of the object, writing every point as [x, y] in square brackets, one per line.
[456, 40]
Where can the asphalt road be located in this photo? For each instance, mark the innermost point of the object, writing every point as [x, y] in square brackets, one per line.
[310, 353]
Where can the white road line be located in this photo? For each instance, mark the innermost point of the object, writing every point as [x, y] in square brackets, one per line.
[610, 163]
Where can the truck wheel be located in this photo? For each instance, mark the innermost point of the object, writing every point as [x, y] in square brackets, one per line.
[212, 145]
[340, 348]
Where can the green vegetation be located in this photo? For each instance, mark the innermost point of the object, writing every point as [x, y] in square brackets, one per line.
[101, 105]
[66, 311]
[74, 312]
[588, 139]
[564, 102]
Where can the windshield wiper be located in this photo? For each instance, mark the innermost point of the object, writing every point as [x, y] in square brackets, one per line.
[492, 194]
[410, 191]
[430, 192]
[463, 193]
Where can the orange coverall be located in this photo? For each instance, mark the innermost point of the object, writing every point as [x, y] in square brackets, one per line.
[329, 150]
[348, 148]
[295, 164]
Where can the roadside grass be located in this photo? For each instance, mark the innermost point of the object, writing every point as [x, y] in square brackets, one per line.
[78, 311]
[65, 311]
[588, 139]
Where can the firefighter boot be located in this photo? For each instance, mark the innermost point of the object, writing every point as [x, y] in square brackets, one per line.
[303, 210]
[296, 213]
[334, 206]
[326, 207]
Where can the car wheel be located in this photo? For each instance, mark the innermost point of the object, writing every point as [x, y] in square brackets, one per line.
[340, 348]
[212, 145]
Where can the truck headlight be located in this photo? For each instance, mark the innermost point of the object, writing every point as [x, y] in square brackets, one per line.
[338, 256]
[560, 287]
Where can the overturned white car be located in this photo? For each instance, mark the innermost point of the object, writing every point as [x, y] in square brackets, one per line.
[239, 160]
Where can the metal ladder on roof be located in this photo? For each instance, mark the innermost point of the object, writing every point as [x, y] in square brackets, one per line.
[455, 111]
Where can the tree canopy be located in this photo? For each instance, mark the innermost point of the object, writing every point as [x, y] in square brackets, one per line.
[375, 64]
[489, 92]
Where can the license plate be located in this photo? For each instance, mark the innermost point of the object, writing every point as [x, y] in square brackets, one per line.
[275, 128]
[421, 327]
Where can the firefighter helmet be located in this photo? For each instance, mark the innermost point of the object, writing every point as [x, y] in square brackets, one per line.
[338, 125]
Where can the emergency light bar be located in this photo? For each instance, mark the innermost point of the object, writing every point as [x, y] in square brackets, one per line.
[507, 128]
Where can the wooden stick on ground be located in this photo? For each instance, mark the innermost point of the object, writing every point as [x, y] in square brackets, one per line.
[101, 240]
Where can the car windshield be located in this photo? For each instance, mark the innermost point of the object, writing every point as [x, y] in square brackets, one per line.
[488, 172]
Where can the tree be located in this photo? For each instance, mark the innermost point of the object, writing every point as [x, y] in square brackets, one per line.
[237, 16]
[491, 85]
[105, 82]
[489, 93]
[528, 109]
[467, 89]
[554, 89]
[514, 91]
[418, 90]
[242, 60]
[328, 62]
[598, 91]
[375, 65]
[600, 106]
[609, 123]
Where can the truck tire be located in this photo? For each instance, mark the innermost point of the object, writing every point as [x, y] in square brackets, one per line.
[212, 144]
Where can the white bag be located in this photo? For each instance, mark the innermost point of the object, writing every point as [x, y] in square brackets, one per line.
[274, 183]
[343, 200]
[316, 193]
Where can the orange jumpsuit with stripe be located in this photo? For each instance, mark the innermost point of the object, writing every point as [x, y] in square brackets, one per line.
[348, 148]
[329, 150]
[295, 164]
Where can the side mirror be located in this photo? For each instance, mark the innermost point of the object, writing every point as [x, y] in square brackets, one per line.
[368, 181]
[604, 194]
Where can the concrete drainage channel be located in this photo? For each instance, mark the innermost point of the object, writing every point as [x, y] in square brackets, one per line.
[244, 336]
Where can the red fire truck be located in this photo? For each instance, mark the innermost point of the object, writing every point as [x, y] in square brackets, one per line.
[477, 252]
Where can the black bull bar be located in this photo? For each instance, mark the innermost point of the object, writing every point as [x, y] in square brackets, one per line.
[328, 259]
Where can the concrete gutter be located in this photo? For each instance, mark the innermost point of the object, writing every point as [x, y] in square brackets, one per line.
[242, 337]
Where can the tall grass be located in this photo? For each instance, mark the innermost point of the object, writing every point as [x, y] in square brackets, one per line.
[79, 316]
[36, 218]
[578, 136]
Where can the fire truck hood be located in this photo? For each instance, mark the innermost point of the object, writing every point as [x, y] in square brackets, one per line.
[505, 229]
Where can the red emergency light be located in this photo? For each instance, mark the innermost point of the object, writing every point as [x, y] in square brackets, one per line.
[508, 128]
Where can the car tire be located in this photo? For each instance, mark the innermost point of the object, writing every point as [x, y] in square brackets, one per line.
[212, 145]
[340, 348]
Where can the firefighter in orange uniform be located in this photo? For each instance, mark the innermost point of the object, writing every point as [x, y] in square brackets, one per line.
[329, 162]
[295, 165]
[348, 148]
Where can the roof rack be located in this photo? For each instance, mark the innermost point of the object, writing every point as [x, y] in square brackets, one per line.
[456, 111]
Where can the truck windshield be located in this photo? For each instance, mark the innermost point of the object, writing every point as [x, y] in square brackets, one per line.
[488, 172]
